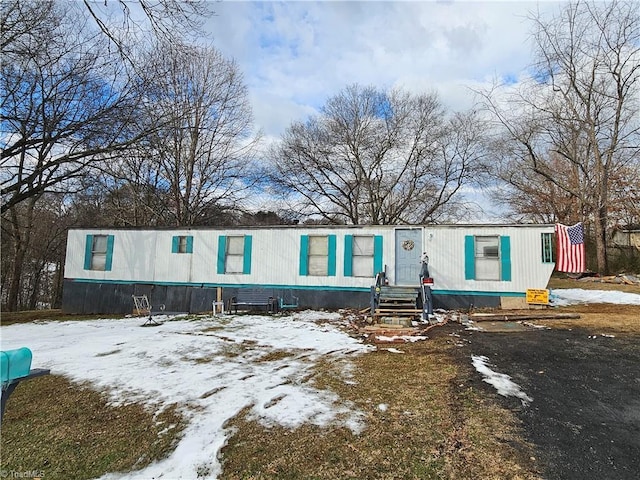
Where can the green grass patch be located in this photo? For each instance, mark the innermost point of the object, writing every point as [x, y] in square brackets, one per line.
[67, 431]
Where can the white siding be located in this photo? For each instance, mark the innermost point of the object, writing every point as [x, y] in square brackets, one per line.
[146, 256]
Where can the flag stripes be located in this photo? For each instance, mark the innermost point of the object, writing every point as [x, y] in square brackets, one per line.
[570, 252]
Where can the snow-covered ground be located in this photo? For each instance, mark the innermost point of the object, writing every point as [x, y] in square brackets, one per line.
[571, 296]
[213, 367]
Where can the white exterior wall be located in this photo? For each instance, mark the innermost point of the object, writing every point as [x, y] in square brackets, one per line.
[145, 256]
[445, 247]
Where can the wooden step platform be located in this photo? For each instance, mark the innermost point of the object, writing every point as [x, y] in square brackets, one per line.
[397, 301]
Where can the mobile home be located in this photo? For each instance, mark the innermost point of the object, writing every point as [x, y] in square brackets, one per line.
[186, 269]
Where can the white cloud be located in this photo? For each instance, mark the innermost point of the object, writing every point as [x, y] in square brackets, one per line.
[294, 55]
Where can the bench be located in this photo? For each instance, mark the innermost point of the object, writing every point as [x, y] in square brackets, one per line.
[251, 298]
[15, 367]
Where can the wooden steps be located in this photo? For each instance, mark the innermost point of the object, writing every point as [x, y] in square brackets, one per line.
[397, 301]
[407, 313]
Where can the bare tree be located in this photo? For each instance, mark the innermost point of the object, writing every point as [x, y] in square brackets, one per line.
[25, 24]
[202, 148]
[70, 105]
[377, 157]
[125, 22]
[531, 198]
[33, 244]
[576, 124]
[64, 106]
[68, 98]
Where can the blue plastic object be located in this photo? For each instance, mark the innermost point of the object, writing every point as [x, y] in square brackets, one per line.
[15, 363]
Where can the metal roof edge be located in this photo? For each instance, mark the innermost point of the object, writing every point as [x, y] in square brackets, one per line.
[318, 227]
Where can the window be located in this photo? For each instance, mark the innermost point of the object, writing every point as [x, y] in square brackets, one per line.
[487, 258]
[234, 254]
[182, 244]
[547, 247]
[362, 255]
[318, 255]
[98, 252]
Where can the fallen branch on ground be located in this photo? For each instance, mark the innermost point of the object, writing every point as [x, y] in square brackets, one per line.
[497, 317]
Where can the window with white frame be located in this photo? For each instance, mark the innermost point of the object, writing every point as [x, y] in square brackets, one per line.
[99, 252]
[318, 259]
[487, 257]
[363, 251]
[234, 255]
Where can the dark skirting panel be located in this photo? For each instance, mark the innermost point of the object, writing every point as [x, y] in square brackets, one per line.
[117, 298]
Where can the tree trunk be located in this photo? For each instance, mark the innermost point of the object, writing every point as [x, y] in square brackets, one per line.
[21, 232]
[56, 290]
[600, 225]
[35, 287]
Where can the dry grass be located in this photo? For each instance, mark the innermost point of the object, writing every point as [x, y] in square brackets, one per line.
[65, 431]
[434, 426]
[8, 318]
[599, 318]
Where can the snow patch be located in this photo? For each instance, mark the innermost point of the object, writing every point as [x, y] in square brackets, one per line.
[212, 367]
[401, 338]
[501, 381]
[572, 296]
[393, 350]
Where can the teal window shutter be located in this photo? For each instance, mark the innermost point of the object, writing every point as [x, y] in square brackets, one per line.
[88, 248]
[304, 254]
[377, 254]
[109, 259]
[469, 258]
[246, 260]
[175, 243]
[222, 251]
[331, 268]
[190, 244]
[348, 255]
[505, 258]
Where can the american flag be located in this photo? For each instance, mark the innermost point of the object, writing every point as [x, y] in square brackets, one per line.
[570, 253]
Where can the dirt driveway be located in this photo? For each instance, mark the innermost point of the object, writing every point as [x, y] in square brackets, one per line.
[584, 419]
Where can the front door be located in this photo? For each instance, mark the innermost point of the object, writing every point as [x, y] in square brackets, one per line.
[408, 253]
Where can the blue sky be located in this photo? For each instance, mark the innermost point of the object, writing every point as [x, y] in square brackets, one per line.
[296, 54]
